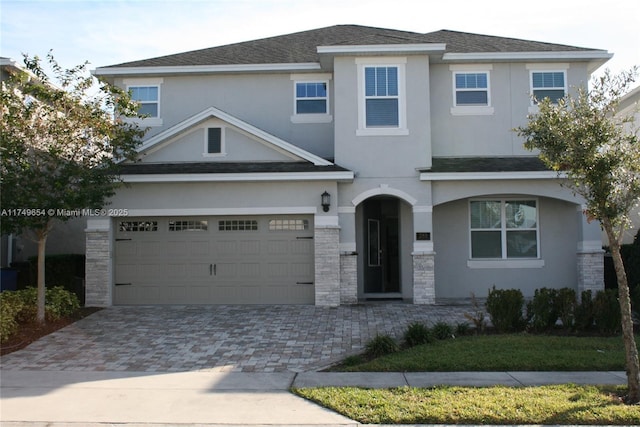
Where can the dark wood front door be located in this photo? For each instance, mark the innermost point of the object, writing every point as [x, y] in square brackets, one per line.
[382, 241]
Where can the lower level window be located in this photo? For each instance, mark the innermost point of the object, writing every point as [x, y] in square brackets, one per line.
[503, 229]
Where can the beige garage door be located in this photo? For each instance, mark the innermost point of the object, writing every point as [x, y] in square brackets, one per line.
[214, 260]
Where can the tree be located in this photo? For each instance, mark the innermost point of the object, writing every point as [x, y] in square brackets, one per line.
[60, 145]
[583, 137]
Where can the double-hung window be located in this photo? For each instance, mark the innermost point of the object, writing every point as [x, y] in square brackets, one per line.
[471, 89]
[311, 98]
[381, 103]
[504, 229]
[146, 92]
[147, 97]
[548, 84]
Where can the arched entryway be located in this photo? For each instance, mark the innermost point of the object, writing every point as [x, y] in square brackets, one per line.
[380, 240]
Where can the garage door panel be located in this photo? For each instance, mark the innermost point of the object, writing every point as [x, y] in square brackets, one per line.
[234, 261]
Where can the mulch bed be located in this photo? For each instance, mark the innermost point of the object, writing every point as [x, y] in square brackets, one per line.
[30, 332]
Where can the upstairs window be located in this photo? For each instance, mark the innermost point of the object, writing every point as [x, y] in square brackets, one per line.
[471, 89]
[311, 98]
[148, 98]
[548, 84]
[503, 229]
[146, 92]
[382, 101]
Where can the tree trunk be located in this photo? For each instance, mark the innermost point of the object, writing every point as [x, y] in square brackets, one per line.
[42, 242]
[631, 351]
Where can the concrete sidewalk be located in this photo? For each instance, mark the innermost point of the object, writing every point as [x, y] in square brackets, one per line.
[202, 398]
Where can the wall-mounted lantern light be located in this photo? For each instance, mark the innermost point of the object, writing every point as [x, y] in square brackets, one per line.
[325, 201]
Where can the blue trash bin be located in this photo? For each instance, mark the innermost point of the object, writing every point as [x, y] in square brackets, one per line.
[8, 279]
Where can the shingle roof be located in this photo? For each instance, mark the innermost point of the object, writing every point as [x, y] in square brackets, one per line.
[487, 164]
[225, 168]
[301, 47]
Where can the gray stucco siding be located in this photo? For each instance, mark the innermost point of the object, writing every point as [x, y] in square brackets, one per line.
[263, 100]
[558, 237]
[190, 146]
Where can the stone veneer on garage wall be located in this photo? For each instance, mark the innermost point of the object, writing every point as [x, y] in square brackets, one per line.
[98, 263]
[327, 264]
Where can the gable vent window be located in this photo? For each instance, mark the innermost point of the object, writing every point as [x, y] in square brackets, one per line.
[214, 142]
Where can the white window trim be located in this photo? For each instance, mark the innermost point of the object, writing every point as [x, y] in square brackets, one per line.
[223, 145]
[505, 262]
[311, 118]
[471, 110]
[401, 130]
[545, 68]
[147, 82]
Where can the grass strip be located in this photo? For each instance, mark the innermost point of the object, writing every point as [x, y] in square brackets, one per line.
[559, 404]
[514, 352]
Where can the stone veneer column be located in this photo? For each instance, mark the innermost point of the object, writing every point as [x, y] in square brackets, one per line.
[348, 278]
[98, 263]
[424, 285]
[590, 270]
[327, 263]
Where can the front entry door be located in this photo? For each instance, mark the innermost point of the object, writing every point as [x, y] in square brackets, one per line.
[381, 239]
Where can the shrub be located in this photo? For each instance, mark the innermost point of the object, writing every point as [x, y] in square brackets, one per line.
[381, 345]
[584, 312]
[10, 305]
[462, 328]
[417, 334]
[505, 309]
[477, 317]
[606, 311]
[542, 312]
[566, 306]
[442, 331]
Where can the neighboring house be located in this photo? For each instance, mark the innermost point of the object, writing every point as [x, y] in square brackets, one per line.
[64, 238]
[343, 164]
[630, 105]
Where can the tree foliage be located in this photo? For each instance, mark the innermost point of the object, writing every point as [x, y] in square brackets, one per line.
[584, 137]
[60, 144]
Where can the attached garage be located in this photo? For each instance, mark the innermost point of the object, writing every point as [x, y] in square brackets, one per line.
[265, 259]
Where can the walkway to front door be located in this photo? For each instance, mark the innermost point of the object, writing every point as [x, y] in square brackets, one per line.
[273, 338]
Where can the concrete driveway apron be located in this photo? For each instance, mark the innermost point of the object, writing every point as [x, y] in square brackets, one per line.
[221, 338]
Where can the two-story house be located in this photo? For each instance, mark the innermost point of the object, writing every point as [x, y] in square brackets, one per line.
[342, 164]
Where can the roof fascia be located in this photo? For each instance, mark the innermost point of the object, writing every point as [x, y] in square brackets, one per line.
[240, 124]
[384, 48]
[204, 69]
[342, 176]
[479, 176]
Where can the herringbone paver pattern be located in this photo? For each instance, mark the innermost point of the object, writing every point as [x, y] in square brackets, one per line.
[221, 338]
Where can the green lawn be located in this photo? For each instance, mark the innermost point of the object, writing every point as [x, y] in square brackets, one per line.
[560, 404]
[517, 352]
[566, 404]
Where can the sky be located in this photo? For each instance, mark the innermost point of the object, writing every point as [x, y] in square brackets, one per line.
[108, 32]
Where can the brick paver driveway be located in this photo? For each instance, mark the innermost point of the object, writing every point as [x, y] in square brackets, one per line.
[221, 338]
